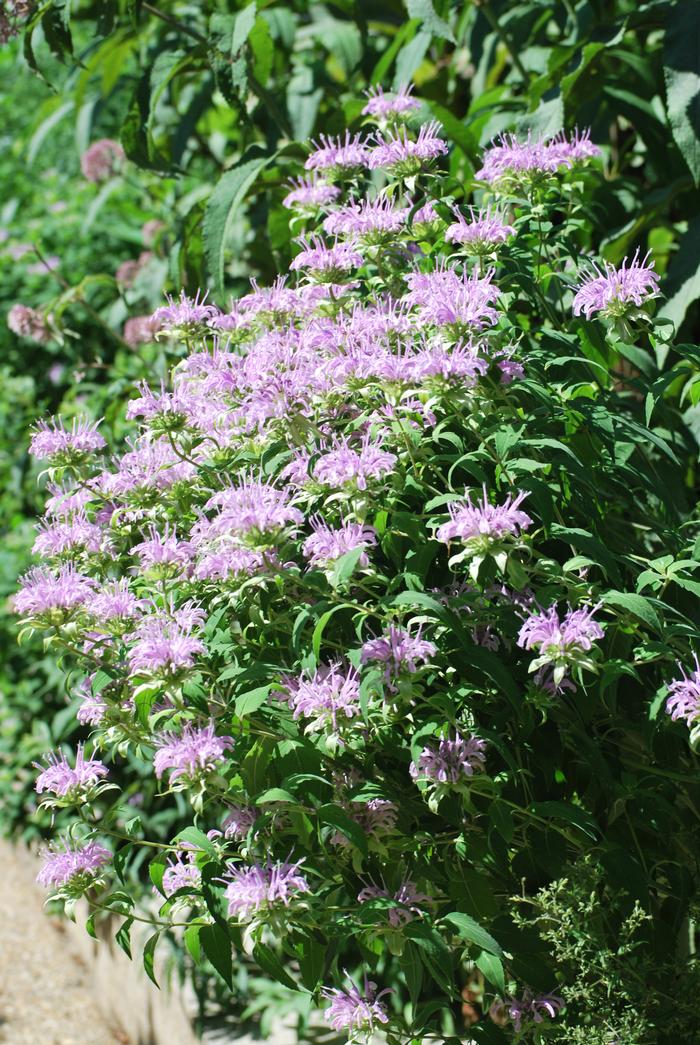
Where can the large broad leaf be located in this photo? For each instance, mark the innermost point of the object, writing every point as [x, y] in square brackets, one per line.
[432, 23]
[682, 283]
[472, 932]
[682, 75]
[222, 210]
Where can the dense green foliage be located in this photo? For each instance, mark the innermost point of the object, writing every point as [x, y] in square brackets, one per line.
[213, 103]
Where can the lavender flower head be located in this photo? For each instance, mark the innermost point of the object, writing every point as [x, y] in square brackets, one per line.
[338, 157]
[411, 902]
[347, 467]
[53, 596]
[238, 821]
[252, 513]
[404, 156]
[389, 107]
[163, 646]
[310, 194]
[399, 651]
[102, 160]
[452, 762]
[256, 890]
[481, 234]
[532, 1008]
[329, 698]
[73, 869]
[186, 316]
[327, 544]
[462, 303]
[617, 293]
[684, 701]
[181, 874]
[326, 264]
[371, 222]
[561, 644]
[514, 164]
[63, 446]
[483, 519]
[70, 784]
[192, 756]
[355, 1012]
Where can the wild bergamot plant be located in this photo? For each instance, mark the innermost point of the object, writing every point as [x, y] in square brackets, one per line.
[364, 589]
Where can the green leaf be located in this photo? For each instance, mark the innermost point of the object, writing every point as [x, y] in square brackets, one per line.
[249, 702]
[412, 969]
[432, 23]
[223, 209]
[492, 968]
[472, 932]
[682, 76]
[572, 814]
[270, 963]
[149, 952]
[636, 604]
[197, 838]
[192, 942]
[345, 566]
[274, 794]
[123, 936]
[434, 953]
[410, 57]
[216, 944]
[682, 283]
[338, 818]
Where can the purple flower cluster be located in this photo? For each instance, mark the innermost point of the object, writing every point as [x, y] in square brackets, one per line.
[45, 593]
[327, 544]
[482, 523]
[74, 867]
[454, 759]
[71, 783]
[410, 901]
[192, 755]
[251, 891]
[328, 698]
[399, 651]
[29, 322]
[531, 1008]
[352, 1011]
[481, 234]
[684, 699]
[386, 107]
[562, 643]
[60, 445]
[101, 160]
[513, 161]
[615, 292]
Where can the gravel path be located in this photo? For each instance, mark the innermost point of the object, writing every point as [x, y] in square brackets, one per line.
[45, 998]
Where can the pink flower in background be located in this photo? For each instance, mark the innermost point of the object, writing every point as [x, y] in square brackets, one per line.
[387, 106]
[151, 230]
[140, 330]
[29, 322]
[103, 159]
[238, 821]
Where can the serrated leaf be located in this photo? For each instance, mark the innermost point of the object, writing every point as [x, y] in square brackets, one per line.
[682, 76]
[270, 963]
[249, 702]
[216, 944]
[469, 930]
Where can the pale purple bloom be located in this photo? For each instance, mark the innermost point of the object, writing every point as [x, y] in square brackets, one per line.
[102, 160]
[328, 698]
[445, 298]
[484, 522]
[75, 866]
[42, 591]
[92, 707]
[398, 650]
[163, 646]
[510, 159]
[327, 544]
[65, 501]
[66, 781]
[453, 760]
[53, 440]
[238, 821]
[255, 511]
[114, 601]
[426, 215]
[338, 157]
[352, 1011]
[185, 314]
[256, 889]
[407, 895]
[229, 562]
[128, 271]
[174, 408]
[29, 322]
[164, 550]
[76, 534]
[181, 874]
[347, 466]
[151, 230]
[372, 220]
[561, 644]
[376, 817]
[684, 701]
[533, 1008]
[152, 465]
[44, 265]
[389, 106]
[614, 291]
[194, 753]
[404, 155]
[459, 364]
[483, 232]
[326, 263]
[310, 193]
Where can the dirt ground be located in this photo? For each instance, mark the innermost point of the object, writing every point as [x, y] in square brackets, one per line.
[45, 997]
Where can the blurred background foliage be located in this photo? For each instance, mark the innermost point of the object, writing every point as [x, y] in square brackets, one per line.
[212, 101]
